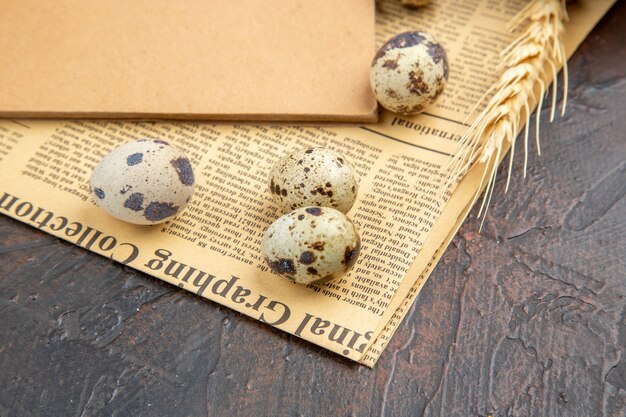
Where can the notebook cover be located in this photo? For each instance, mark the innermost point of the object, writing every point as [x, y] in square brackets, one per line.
[256, 60]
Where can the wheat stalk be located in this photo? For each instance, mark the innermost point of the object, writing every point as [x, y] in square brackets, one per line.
[528, 66]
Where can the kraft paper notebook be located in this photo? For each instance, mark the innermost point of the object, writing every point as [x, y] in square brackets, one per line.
[286, 60]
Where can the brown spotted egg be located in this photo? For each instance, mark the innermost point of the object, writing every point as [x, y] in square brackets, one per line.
[311, 245]
[409, 72]
[314, 177]
[143, 182]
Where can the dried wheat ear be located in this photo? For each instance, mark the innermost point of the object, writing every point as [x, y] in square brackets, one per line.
[528, 66]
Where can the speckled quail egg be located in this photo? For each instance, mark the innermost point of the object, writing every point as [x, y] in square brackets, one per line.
[311, 245]
[143, 182]
[409, 72]
[314, 177]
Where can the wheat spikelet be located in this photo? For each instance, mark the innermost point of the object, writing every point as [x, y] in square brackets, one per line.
[527, 67]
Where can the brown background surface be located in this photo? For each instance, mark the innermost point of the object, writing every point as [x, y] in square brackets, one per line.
[526, 319]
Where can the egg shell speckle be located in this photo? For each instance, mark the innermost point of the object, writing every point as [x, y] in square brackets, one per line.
[143, 182]
[311, 245]
[409, 72]
[314, 177]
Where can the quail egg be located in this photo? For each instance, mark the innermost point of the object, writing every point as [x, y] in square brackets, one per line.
[409, 72]
[311, 245]
[314, 177]
[143, 182]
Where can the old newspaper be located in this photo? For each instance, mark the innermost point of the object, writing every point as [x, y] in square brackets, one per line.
[405, 218]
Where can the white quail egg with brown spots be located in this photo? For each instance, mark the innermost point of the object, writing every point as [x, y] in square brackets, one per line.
[314, 177]
[311, 245]
[409, 72]
[143, 182]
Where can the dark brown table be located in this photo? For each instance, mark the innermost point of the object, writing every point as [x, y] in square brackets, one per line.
[526, 319]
